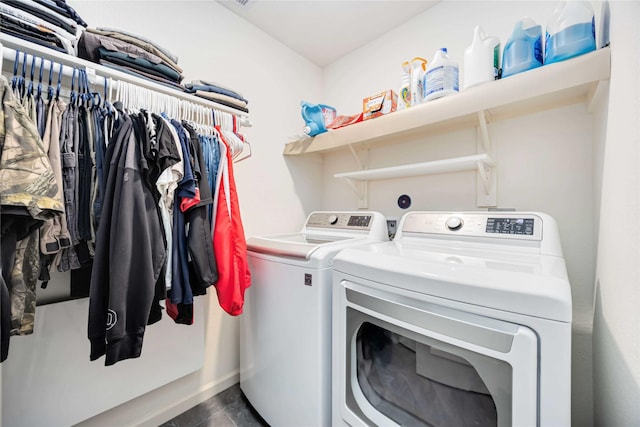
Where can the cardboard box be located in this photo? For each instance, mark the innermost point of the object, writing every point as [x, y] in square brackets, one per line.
[377, 105]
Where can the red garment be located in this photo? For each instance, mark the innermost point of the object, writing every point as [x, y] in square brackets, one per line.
[229, 243]
[188, 202]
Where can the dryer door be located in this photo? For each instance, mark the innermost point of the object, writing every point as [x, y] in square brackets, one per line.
[405, 361]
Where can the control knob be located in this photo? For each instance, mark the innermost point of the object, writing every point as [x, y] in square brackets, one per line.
[454, 223]
[333, 219]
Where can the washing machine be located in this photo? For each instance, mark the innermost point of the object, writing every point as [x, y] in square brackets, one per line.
[285, 330]
[463, 319]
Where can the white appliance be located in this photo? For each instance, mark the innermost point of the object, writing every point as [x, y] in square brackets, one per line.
[285, 330]
[463, 319]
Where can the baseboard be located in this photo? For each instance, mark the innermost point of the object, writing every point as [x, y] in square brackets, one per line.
[131, 414]
[203, 393]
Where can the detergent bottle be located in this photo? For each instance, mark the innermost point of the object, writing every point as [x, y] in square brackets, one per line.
[481, 59]
[417, 79]
[571, 31]
[315, 117]
[404, 100]
[441, 77]
[523, 50]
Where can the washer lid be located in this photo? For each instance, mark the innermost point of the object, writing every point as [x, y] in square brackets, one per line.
[324, 234]
[297, 245]
[523, 283]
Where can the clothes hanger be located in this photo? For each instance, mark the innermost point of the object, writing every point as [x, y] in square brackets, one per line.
[50, 91]
[14, 79]
[39, 91]
[59, 82]
[80, 100]
[30, 85]
[72, 94]
[22, 80]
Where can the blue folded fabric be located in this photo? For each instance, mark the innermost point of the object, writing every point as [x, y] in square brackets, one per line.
[64, 9]
[191, 88]
[141, 64]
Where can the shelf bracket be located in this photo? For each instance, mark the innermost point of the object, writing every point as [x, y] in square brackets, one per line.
[487, 183]
[362, 191]
[487, 177]
[484, 132]
[596, 94]
[356, 157]
[361, 188]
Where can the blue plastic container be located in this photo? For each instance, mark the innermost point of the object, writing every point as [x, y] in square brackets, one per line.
[314, 116]
[523, 50]
[571, 32]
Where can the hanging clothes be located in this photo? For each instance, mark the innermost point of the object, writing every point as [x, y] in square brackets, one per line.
[129, 256]
[180, 289]
[27, 197]
[211, 153]
[99, 116]
[166, 184]
[229, 241]
[24, 272]
[203, 271]
[54, 235]
[69, 135]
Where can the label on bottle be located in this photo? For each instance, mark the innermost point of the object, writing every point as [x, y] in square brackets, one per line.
[405, 97]
[537, 50]
[441, 78]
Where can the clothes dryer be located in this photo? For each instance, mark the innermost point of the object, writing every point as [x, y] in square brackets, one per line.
[285, 330]
[463, 319]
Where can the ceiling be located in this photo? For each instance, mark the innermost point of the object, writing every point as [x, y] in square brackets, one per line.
[325, 30]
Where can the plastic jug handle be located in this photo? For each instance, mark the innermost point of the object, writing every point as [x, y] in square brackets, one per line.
[305, 106]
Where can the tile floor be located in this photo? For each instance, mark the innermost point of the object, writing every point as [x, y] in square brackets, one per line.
[229, 408]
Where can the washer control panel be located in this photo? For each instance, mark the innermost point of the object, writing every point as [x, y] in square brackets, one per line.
[351, 221]
[523, 226]
[505, 225]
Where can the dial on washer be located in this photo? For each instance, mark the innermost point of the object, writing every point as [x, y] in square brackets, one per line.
[454, 223]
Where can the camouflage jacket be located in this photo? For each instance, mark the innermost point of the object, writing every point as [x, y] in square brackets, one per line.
[26, 176]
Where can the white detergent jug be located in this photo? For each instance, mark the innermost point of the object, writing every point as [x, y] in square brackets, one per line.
[481, 59]
[441, 77]
[418, 66]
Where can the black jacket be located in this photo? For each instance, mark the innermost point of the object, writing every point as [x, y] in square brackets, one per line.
[129, 256]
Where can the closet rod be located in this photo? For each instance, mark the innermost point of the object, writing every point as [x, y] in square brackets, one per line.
[97, 73]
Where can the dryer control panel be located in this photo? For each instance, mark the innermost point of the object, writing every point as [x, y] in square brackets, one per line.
[504, 225]
[340, 220]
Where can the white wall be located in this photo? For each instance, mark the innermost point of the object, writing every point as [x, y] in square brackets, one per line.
[214, 44]
[545, 160]
[616, 332]
[550, 168]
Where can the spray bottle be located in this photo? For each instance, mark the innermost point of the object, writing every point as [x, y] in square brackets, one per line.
[404, 100]
[418, 66]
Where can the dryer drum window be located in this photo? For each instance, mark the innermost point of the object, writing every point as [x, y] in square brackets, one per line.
[417, 384]
[416, 380]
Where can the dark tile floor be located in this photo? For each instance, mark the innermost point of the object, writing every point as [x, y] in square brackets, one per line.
[229, 408]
